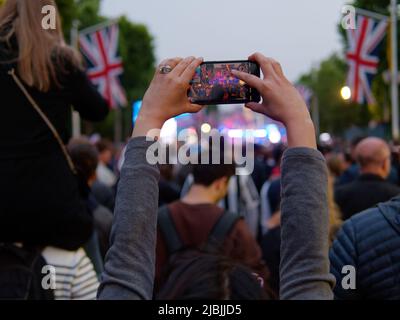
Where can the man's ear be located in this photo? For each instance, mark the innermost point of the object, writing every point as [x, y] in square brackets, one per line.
[221, 183]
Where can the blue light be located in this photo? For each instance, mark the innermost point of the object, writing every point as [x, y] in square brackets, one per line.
[135, 110]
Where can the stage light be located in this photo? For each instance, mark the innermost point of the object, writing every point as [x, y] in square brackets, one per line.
[260, 133]
[325, 137]
[345, 92]
[169, 130]
[235, 133]
[274, 136]
[205, 128]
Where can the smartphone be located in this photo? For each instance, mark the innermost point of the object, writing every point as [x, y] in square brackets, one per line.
[213, 83]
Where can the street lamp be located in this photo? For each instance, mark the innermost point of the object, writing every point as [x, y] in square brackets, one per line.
[345, 92]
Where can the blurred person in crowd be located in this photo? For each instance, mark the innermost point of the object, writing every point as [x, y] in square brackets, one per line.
[271, 240]
[242, 197]
[169, 191]
[85, 157]
[352, 172]
[104, 173]
[371, 187]
[260, 172]
[75, 278]
[197, 215]
[277, 154]
[337, 164]
[40, 78]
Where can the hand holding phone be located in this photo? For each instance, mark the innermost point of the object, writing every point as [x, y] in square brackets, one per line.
[214, 83]
[281, 101]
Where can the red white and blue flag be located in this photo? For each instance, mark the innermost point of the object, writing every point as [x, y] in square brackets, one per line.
[363, 56]
[100, 49]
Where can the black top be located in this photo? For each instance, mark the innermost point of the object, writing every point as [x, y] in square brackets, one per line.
[40, 199]
[365, 192]
[22, 132]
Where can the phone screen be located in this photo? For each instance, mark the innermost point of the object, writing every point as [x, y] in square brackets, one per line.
[213, 83]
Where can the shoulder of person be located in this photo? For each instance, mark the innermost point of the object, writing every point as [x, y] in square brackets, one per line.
[62, 258]
[68, 61]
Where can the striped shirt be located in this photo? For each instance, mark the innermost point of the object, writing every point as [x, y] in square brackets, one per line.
[75, 275]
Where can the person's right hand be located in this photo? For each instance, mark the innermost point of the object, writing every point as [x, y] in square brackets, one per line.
[281, 101]
[166, 96]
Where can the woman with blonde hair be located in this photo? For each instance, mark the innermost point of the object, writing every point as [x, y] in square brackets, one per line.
[40, 79]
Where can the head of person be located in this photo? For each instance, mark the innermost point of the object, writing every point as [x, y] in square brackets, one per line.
[213, 178]
[373, 155]
[40, 50]
[353, 148]
[85, 158]
[193, 275]
[105, 149]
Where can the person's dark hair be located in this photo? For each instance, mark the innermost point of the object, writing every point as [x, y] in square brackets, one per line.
[192, 275]
[85, 158]
[206, 174]
[355, 141]
[104, 145]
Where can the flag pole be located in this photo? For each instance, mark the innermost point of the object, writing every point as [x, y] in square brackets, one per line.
[394, 71]
[371, 14]
[76, 119]
[98, 26]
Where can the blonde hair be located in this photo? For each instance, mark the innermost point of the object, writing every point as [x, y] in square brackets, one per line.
[40, 51]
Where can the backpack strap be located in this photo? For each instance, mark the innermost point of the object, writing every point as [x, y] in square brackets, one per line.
[222, 228]
[168, 229]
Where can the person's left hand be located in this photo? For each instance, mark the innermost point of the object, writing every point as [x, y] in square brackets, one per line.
[166, 96]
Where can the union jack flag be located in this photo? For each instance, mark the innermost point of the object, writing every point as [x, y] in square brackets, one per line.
[100, 49]
[363, 56]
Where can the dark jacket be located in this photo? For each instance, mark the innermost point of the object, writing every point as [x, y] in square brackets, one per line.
[40, 201]
[363, 193]
[370, 241]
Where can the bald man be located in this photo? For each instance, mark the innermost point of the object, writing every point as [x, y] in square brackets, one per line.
[371, 187]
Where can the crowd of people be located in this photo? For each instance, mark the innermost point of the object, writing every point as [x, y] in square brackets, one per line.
[111, 225]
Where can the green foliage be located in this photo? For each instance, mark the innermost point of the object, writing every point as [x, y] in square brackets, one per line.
[137, 51]
[84, 11]
[326, 82]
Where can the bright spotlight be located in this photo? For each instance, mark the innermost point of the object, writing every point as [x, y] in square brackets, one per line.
[345, 93]
[325, 137]
[205, 128]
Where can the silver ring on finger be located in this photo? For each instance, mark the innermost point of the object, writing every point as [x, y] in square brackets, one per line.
[165, 69]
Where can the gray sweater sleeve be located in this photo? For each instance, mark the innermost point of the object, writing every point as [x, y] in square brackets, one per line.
[304, 268]
[129, 266]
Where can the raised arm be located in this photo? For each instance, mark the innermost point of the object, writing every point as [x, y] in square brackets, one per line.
[304, 267]
[130, 261]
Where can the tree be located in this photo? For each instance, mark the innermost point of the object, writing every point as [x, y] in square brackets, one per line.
[87, 12]
[326, 82]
